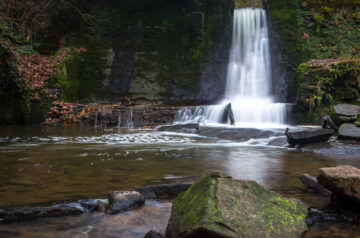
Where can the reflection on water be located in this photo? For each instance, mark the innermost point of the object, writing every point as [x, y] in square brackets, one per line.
[38, 165]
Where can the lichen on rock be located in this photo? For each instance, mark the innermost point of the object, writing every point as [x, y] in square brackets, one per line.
[220, 206]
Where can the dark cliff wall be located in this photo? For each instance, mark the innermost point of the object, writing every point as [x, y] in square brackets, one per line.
[154, 50]
[147, 50]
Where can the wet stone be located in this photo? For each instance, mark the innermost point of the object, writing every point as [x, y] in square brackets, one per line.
[103, 205]
[186, 128]
[65, 209]
[347, 110]
[344, 182]
[345, 113]
[154, 234]
[121, 201]
[163, 191]
[317, 216]
[312, 183]
[349, 132]
[308, 136]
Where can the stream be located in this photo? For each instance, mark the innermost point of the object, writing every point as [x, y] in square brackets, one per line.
[49, 165]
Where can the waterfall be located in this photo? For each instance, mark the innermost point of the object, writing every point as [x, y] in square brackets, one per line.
[119, 120]
[96, 119]
[125, 118]
[129, 121]
[249, 82]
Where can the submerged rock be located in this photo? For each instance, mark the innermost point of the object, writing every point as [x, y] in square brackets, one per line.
[185, 128]
[218, 206]
[349, 132]
[123, 201]
[103, 205]
[312, 183]
[344, 182]
[163, 191]
[154, 234]
[317, 216]
[308, 136]
[236, 134]
[64, 209]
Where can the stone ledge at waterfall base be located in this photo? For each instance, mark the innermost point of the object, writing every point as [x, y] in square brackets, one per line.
[109, 115]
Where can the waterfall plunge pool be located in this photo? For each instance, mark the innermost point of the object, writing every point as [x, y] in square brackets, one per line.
[47, 165]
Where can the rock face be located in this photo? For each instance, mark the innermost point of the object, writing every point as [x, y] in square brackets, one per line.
[122, 201]
[349, 132]
[343, 181]
[345, 113]
[309, 136]
[109, 115]
[218, 206]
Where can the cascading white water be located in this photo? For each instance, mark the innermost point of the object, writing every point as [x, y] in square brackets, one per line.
[248, 85]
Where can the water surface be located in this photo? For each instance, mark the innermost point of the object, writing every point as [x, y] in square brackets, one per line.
[47, 165]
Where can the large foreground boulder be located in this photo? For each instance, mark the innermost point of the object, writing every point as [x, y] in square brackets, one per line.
[344, 182]
[218, 206]
[308, 136]
[345, 113]
[349, 132]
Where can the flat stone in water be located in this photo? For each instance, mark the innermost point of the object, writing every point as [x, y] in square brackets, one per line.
[64, 209]
[349, 132]
[309, 136]
[186, 128]
[236, 134]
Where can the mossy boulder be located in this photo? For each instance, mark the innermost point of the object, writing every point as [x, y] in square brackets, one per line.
[219, 206]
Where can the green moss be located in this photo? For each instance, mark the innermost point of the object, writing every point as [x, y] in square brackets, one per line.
[232, 208]
[322, 84]
[68, 77]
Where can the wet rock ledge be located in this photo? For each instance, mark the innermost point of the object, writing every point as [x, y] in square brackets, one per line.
[109, 115]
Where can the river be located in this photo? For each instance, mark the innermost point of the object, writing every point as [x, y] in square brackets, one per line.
[41, 165]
